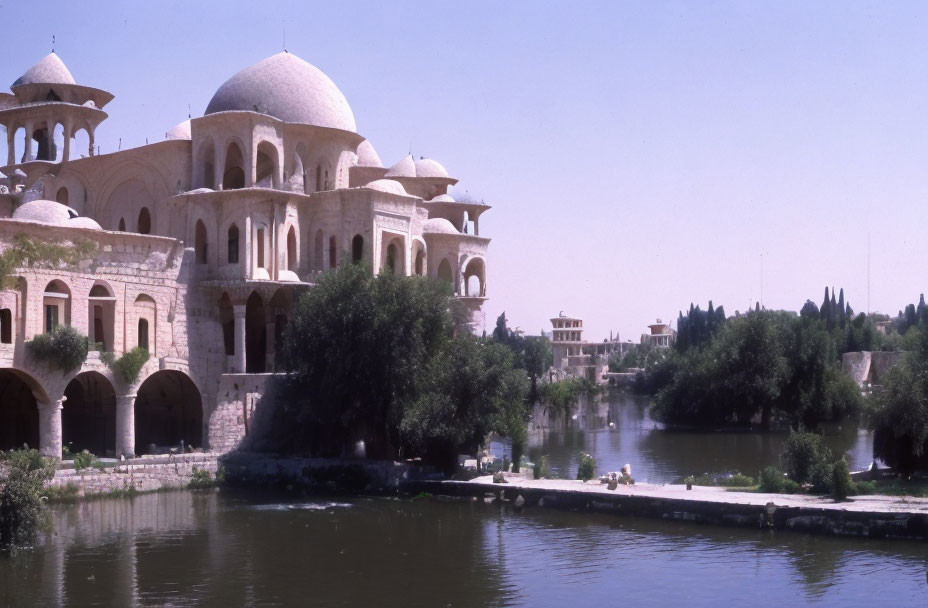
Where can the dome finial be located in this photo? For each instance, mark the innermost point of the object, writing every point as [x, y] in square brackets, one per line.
[53, 43]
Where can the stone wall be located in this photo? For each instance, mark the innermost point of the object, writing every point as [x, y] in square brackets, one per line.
[869, 366]
[832, 522]
[230, 420]
[140, 474]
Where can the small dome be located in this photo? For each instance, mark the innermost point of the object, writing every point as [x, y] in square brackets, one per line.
[51, 212]
[83, 222]
[49, 70]
[443, 198]
[426, 167]
[439, 225]
[287, 88]
[367, 156]
[180, 131]
[406, 167]
[387, 185]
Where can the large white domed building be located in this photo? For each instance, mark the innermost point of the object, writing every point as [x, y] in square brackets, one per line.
[204, 242]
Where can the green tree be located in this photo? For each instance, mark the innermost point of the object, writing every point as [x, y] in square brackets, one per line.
[471, 390]
[23, 474]
[29, 252]
[900, 413]
[355, 351]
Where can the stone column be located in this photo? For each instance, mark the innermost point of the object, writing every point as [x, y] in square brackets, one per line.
[125, 426]
[66, 153]
[238, 313]
[10, 146]
[50, 428]
[27, 155]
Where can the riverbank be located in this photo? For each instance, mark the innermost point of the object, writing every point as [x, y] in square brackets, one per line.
[136, 475]
[862, 516]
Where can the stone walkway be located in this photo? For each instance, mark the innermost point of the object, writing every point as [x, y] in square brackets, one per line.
[873, 503]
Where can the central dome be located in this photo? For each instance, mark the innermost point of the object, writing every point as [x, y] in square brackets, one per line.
[287, 88]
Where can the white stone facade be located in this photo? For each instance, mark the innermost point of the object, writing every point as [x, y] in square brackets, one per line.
[204, 242]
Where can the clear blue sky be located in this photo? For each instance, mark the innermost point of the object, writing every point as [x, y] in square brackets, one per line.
[638, 156]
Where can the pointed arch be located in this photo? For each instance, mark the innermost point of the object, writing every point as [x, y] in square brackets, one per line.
[233, 245]
[233, 174]
[144, 222]
[200, 242]
[291, 249]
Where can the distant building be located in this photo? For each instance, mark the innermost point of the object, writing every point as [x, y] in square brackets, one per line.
[662, 335]
[574, 356]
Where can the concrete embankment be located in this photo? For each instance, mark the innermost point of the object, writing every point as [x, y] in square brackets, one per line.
[863, 516]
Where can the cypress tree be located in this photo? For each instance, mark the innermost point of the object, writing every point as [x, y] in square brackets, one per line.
[823, 311]
[841, 311]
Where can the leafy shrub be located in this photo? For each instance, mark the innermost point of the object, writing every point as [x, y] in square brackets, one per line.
[586, 469]
[737, 481]
[774, 481]
[841, 484]
[803, 455]
[84, 460]
[540, 469]
[128, 366]
[201, 479]
[23, 474]
[63, 347]
[864, 487]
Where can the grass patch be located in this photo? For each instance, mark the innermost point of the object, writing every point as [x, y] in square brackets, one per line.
[725, 480]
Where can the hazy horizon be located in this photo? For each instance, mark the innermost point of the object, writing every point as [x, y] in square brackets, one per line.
[638, 157]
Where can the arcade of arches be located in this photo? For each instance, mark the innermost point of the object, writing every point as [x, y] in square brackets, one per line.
[166, 412]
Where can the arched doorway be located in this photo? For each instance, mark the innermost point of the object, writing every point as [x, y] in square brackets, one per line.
[233, 176]
[444, 271]
[199, 242]
[291, 249]
[101, 308]
[19, 416]
[88, 419]
[168, 411]
[144, 224]
[357, 248]
[255, 335]
[475, 278]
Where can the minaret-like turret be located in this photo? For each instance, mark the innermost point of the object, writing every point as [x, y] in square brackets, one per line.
[45, 96]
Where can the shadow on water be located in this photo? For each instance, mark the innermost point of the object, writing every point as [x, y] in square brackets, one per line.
[212, 549]
[662, 456]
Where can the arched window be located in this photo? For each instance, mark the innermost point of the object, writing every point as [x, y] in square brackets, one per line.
[332, 252]
[259, 245]
[318, 183]
[357, 248]
[391, 258]
[233, 244]
[233, 176]
[266, 166]
[146, 313]
[102, 317]
[444, 272]
[199, 242]
[143, 333]
[57, 305]
[6, 326]
[420, 263]
[144, 221]
[317, 251]
[62, 195]
[122, 224]
[291, 249]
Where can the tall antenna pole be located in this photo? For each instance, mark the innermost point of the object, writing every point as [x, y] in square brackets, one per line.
[762, 280]
[868, 274]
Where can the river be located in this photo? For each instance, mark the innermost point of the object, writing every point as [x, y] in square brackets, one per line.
[248, 549]
[227, 549]
[660, 456]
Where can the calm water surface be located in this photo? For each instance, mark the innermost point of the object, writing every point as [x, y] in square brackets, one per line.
[228, 549]
[659, 456]
[211, 549]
